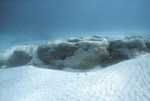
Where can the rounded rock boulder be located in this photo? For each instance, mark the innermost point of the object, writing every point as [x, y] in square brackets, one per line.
[16, 56]
[78, 53]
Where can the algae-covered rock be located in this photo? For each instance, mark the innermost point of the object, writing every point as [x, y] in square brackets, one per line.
[81, 53]
[16, 56]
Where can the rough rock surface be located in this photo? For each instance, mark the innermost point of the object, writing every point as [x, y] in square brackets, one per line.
[147, 42]
[16, 56]
[77, 52]
[127, 48]
[81, 53]
[2, 63]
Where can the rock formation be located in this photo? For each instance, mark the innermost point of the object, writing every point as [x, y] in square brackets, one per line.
[16, 56]
[81, 53]
[78, 52]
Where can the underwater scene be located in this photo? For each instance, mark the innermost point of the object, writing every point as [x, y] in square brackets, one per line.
[74, 50]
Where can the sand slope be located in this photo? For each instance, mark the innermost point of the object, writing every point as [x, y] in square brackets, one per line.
[125, 81]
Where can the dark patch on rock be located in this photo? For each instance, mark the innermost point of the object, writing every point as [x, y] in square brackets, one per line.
[2, 62]
[49, 52]
[147, 42]
[124, 49]
[18, 58]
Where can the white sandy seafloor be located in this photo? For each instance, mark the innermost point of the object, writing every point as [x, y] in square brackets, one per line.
[125, 81]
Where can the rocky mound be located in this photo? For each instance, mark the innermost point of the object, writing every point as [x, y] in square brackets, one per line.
[16, 56]
[127, 48]
[79, 52]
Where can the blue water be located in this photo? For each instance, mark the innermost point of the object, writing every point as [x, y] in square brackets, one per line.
[36, 21]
